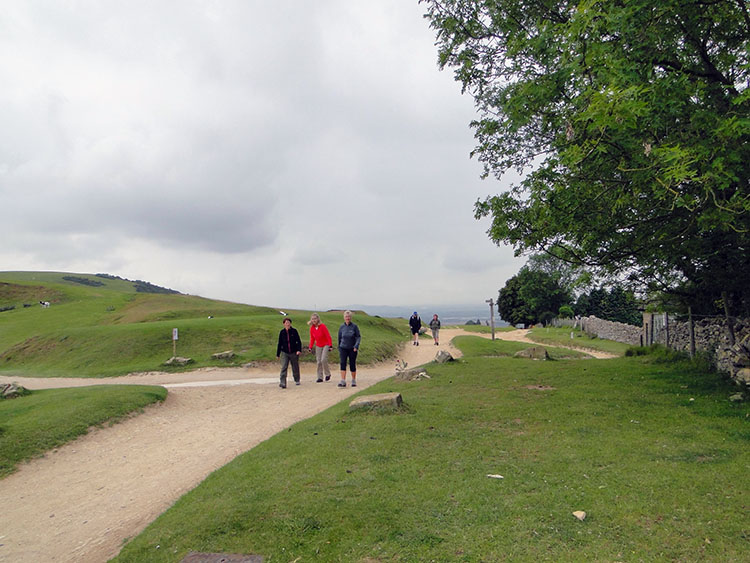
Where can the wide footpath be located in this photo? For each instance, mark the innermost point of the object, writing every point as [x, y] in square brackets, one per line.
[81, 501]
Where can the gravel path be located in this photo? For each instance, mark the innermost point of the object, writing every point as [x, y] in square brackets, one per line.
[81, 501]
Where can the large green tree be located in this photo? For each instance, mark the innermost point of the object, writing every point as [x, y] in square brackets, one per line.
[529, 295]
[631, 119]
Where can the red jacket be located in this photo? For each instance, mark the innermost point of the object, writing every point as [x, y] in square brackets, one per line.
[319, 336]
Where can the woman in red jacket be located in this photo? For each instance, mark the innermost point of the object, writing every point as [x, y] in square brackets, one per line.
[320, 340]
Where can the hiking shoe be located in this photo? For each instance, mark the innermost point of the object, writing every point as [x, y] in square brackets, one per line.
[282, 385]
[354, 383]
[342, 384]
[296, 382]
[328, 377]
[318, 381]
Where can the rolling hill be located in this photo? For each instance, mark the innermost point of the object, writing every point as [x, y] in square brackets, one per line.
[99, 325]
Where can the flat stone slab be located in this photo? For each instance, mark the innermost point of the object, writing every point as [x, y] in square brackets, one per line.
[178, 361]
[196, 557]
[380, 400]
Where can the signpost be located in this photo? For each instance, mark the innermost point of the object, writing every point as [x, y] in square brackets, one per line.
[174, 342]
[492, 316]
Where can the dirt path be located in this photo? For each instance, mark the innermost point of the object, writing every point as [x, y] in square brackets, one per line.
[521, 335]
[81, 501]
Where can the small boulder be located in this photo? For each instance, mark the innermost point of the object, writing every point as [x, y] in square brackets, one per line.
[381, 400]
[443, 356]
[12, 390]
[226, 355]
[534, 353]
[178, 361]
[413, 374]
[742, 376]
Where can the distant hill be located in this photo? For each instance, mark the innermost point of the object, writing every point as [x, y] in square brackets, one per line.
[104, 325]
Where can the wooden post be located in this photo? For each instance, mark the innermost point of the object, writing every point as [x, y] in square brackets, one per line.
[652, 329]
[692, 332]
[666, 329]
[730, 324]
[174, 342]
[492, 316]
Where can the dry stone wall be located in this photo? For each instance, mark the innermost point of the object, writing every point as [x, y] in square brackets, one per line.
[611, 330]
[711, 335]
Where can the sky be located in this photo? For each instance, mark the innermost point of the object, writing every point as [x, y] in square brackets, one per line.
[286, 153]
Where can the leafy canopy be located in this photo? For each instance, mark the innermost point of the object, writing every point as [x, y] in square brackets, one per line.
[531, 296]
[635, 120]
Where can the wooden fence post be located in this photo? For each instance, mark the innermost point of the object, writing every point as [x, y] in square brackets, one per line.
[652, 329]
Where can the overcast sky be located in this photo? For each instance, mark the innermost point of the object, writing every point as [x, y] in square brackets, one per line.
[291, 153]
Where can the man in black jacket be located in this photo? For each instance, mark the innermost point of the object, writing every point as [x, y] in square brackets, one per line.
[288, 349]
[415, 323]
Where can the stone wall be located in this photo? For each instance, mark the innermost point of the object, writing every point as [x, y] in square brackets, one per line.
[611, 330]
[711, 336]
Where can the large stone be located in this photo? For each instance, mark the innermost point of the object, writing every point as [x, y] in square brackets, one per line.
[742, 376]
[178, 361]
[534, 353]
[381, 400]
[227, 355]
[413, 374]
[443, 356]
[12, 390]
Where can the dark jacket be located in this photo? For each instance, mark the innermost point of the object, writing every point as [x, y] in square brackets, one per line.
[291, 343]
[415, 322]
[349, 336]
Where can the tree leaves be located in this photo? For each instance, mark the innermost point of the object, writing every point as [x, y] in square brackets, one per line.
[632, 123]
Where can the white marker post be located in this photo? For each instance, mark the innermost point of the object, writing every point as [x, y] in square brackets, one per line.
[174, 342]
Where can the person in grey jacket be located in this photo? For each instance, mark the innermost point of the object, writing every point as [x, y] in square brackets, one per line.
[348, 344]
[435, 328]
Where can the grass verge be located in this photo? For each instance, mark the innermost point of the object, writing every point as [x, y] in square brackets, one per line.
[45, 419]
[652, 451]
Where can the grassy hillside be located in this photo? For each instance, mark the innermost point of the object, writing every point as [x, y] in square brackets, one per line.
[99, 327]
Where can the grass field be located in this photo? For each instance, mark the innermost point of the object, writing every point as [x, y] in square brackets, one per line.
[648, 446]
[110, 329]
[562, 336]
